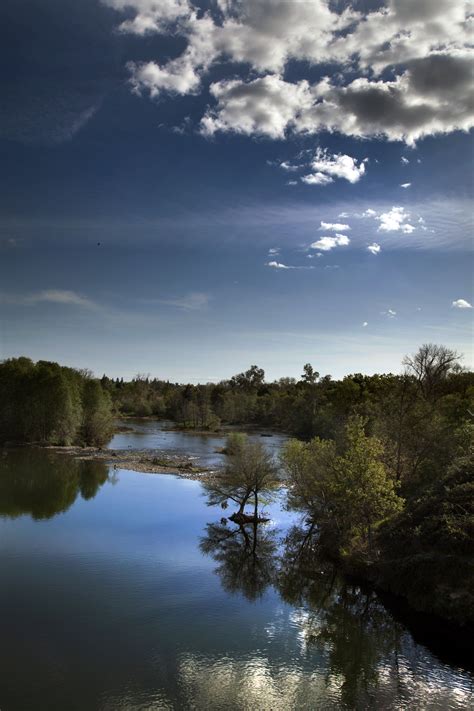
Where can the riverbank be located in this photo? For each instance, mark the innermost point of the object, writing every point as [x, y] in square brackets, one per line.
[144, 461]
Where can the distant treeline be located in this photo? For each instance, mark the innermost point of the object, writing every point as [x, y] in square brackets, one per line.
[47, 403]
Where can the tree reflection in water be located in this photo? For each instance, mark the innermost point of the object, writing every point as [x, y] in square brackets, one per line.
[44, 484]
[347, 624]
[246, 554]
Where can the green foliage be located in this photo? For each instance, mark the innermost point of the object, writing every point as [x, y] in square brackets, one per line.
[47, 403]
[345, 490]
[96, 414]
[249, 473]
[427, 549]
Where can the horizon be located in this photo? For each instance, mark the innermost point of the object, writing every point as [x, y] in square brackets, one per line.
[190, 188]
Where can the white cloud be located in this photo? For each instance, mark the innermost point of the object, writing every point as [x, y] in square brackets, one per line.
[461, 304]
[325, 244]
[404, 160]
[395, 221]
[274, 250]
[334, 227]
[365, 324]
[369, 213]
[279, 265]
[317, 179]
[150, 16]
[405, 185]
[264, 106]
[292, 182]
[423, 47]
[344, 214]
[390, 313]
[374, 248]
[289, 166]
[328, 166]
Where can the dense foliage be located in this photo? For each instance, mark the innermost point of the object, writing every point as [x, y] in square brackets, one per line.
[50, 404]
[382, 467]
[387, 484]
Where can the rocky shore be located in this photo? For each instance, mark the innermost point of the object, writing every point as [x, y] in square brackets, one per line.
[148, 461]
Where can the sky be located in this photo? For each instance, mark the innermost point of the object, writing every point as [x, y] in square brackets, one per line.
[189, 188]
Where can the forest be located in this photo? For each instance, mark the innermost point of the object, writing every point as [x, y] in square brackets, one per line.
[380, 467]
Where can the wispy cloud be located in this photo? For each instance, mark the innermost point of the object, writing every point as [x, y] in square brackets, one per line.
[405, 185]
[280, 265]
[51, 296]
[194, 301]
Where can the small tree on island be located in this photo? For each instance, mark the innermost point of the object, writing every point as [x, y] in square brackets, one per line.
[249, 474]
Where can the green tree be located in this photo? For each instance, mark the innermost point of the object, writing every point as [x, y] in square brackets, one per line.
[96, 413]
[250, 473]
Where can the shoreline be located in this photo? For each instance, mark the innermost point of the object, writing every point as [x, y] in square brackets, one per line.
[142, 461]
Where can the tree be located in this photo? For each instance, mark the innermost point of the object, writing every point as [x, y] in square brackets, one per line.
[430, 366]
[364, 492]
[344, 493]
[97, 414]
[309, 376]
[252, 379]
[249, 473]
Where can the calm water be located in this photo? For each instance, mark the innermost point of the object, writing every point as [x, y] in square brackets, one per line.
[125, 591]
[149, 434]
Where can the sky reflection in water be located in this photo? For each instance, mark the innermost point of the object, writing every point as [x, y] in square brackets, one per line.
[118, 595]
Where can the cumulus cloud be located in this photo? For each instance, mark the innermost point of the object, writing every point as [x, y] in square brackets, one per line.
[374, 248]
[405, 185]
[334, 227]
[404, 160]
[328, 166]
[365, 324]
[396, 220]
[150, 15]
[405, 68]
[461, 304]
[325, 244]
[264, 106]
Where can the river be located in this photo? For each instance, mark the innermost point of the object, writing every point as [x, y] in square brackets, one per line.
[123, 590]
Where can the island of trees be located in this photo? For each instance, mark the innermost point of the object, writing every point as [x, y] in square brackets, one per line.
[381, 467]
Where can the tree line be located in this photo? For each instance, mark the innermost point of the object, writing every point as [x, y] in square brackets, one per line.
[389, 494]
[50, 404]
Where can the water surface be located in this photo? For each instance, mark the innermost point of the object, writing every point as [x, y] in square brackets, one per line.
[122, 590]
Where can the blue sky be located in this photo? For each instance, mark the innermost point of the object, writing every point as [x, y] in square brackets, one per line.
[191, 188]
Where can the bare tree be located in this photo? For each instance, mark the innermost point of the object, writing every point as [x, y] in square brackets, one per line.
[430, 366]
